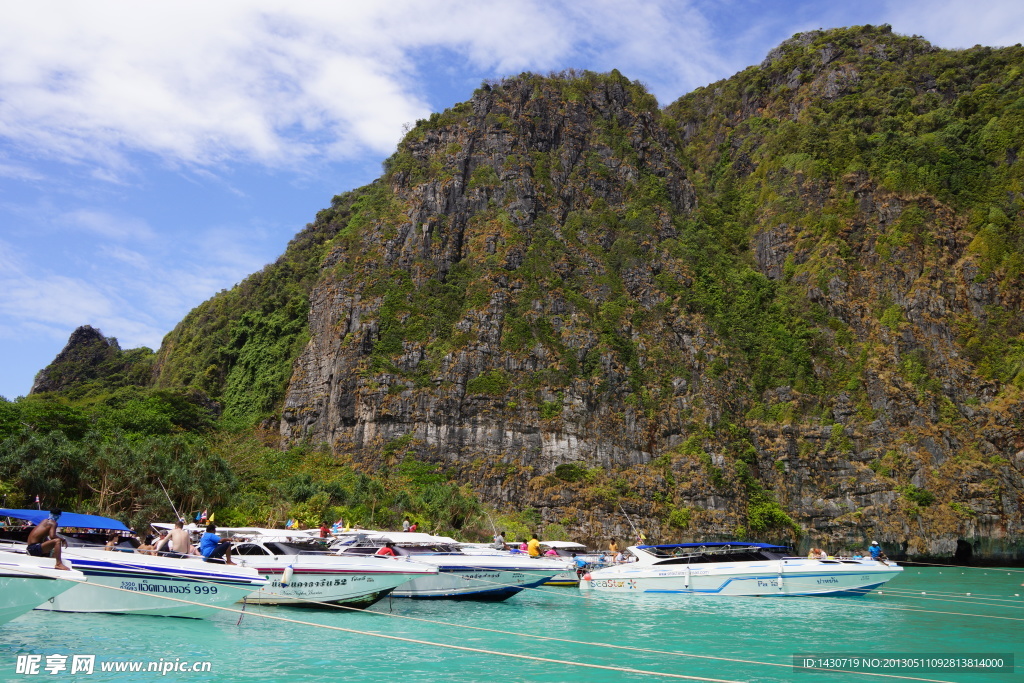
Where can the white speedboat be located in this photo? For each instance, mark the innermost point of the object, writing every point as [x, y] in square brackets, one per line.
[570, 552]
[129, 582]
[26, 582]
[737, 568]
[460, 576]
[301, 572]
[566, 551]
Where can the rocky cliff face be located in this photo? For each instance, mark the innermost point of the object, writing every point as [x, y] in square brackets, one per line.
[518, 213]
[87, 356]
[786, 305]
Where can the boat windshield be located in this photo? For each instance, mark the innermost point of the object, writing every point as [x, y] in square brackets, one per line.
[310, 547]
[723, 553]
[371, 547]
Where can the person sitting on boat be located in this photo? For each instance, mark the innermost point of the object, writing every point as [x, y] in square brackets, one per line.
[212, 547]
[43, 541]
[325, 531]
[533, 546]
[876, 552]
[550, 552]
[162, 540]
[146, 547]
[112, 541]
[581, 565]
[613, 548]
[499, 541]
[388, 549]
[177, 542]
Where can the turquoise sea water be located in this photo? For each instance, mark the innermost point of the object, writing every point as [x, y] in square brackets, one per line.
[697, 636]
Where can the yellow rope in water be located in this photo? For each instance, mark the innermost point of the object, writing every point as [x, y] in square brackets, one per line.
[818, 598]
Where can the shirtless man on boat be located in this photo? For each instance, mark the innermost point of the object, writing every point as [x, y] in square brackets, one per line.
[43, 542]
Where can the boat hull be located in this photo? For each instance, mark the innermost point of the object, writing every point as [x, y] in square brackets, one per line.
[566, 578]
[325, 586]
[27, 582]
[145, 582]
[472, 583]
[782, 578]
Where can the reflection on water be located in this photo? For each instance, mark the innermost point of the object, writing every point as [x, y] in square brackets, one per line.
[765, 630]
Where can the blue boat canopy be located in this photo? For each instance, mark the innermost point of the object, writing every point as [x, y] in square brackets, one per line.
[67, 519]
[718, 544]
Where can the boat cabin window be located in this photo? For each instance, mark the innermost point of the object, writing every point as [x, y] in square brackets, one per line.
[425, 550]
[309, 548]
[700, 555]
[401, 550]
[362, 550]
[250, 549]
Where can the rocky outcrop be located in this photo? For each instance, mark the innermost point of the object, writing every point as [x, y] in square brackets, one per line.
[519, 171]
[87, 356]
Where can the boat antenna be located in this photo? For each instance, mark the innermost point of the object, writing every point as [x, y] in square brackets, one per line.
[176, 515]
[639, 536]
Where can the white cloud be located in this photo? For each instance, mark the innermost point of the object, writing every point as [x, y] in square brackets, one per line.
[956, 24]
[105, 224]
[138, 304]
[128, 257]
[200, 83]
[19, 172]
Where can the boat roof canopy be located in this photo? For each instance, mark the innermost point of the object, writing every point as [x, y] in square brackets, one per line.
[71, 519]
[562, 544]
[717, 544]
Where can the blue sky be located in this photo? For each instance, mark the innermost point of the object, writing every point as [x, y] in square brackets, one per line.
[152, 154]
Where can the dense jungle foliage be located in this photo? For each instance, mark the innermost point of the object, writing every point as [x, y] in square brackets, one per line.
[143, 454]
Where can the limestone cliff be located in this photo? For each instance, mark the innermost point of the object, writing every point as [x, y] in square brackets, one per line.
[747, 304]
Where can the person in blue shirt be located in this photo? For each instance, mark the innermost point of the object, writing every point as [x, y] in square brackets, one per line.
[212, 547]
[581, 565]
[876, 551]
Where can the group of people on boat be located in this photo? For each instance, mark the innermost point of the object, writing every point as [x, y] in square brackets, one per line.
[873, 552]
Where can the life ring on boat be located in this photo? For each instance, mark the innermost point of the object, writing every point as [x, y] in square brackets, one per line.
[586, 577]
[286, 578]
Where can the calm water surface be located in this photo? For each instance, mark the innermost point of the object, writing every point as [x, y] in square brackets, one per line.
[695, 636]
